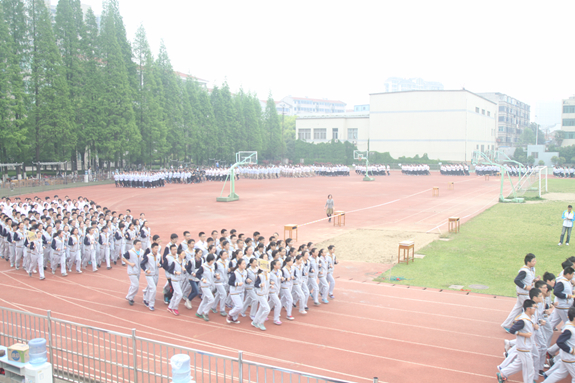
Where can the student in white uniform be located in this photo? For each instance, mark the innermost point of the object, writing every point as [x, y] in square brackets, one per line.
[150, 264]
[238, 276]
[132, 260]
[523, 283]
[262, 286]
[207, 277]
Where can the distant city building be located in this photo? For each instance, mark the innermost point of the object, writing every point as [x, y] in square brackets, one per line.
[547, 113]
[446, 124]
[203, 83]
[512, 117]
[361, 108]
[568, 121]
[397, 84]
[291, 106]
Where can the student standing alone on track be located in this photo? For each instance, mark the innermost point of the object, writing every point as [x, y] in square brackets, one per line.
[329, 207]
[567, 217]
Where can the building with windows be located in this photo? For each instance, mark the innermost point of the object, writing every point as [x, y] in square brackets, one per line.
[293, 106]
[361, 108]
[203, 83]
[568, 121]
[397, 84]
[447, 125]
[512, 117]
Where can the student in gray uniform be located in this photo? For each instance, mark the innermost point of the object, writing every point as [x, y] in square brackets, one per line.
[207, 277]
[150, 264]
[132, 259]
[287, 286]
[523, 329]
[329, 207]
[313, 287]
[59, 253]
[261, 286]
[563, 292]
[36, 250]
[566, 343]
[322, 276]
[251, 299]
[176, 271]
[274, 290]
[222, 269]
[75, 254]
[523, 283]
[331, 262]
[105, 243]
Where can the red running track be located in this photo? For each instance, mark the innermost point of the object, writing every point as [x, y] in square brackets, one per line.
[397, 333]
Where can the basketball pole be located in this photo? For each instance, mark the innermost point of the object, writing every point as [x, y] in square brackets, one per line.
[233, 196]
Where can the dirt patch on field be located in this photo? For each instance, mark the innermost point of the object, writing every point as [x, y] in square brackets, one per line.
[374, 245]
[560, 197]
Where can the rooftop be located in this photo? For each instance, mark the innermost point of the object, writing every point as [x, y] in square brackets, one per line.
[432, 91]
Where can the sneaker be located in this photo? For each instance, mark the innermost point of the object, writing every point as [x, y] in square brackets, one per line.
[215, 311]
[166, 301]
[567, 244]
[131, 302]
[146, 303]
[115, 262]
[79, 271]
[151, 308]
[254, 324]
[12, 265]
[278, 322]
[331, 296]
[229, 319]
[559, 244]
[506, 345]
[303, 312]
[223, 313]
[243, 315]
[188, 304]
[199, 315]
[35, 271]
[500, 378]
[109, 268]
[316, 304]
[306, 308]
[64, 275]
[541, 373]
[290, 318]
[170, 310]
[175, 312]
[325, 301]
[507, 329]
[206, 317]
[261, 327]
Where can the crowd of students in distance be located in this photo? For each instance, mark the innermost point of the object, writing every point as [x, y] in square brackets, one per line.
[374, 170]
[543, 305]
[233, 275]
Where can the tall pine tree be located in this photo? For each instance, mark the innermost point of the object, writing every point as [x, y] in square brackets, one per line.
[271, 128]
[50, 129]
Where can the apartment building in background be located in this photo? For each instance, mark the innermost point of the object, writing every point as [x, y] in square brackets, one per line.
[568, 121]
[398, 84]
[513, 116]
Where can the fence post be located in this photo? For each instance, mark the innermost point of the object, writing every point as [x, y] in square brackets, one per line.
[135, 361]
[375, 380]
[240, 366]
[50, 347]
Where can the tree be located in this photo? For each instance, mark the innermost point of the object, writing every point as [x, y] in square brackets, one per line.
[227, 120]
[555, 160]
[541, 163]
[12, 106]
[276, 146]
[15, 14]
[530, 160]
[149, 115]
[119, 126]
[561, 160]
[559, 137]
[50, 125]
[519, 155]
[207, 128]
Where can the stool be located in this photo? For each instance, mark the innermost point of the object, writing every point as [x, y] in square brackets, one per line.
[339, 215]
[407, 247]
[453, 224]
[487, 177]
[290, 228]
[451, 185]
[435, 192]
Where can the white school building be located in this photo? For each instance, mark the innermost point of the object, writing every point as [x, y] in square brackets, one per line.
[447, 125]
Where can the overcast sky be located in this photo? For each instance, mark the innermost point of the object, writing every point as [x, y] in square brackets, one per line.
[347, 49]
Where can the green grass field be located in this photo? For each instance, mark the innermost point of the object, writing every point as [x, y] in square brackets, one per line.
[490, 248]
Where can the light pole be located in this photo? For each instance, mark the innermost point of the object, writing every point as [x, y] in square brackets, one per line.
[536, 132]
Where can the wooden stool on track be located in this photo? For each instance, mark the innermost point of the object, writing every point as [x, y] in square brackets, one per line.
[487, 177]
[435, 192]
[338, 215]
[453, 224]
[407, 247]
[290, 229]
[451, 185]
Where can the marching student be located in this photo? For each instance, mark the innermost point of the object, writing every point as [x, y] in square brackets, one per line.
[274, 290]
[238, 276]
[89, 250]
[151, 266]
[105, 241]
[287, 286]
[313, 287]
[167, 259]
[305, 276]
[563, 292]
[36, 251]
[59, 253]
[132, 259]
[144, 234]
[120, 242]
[566, 343]
[322, 276]
[207, 277]
[175, 270]
[18, 239]
[221, 269]
[194, 263]
[331, 262]
[523, 328]
[262, 286]
[251, 299]
[75, 253]
[297, 292]
[524, 282]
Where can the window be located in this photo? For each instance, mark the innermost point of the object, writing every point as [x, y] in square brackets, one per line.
[476, 110]
[501, 118]
[488, 114]
[334, 133]
[569, 122]
[568, 108]
[501, 129]
[304, 134]
[502, 109]
[319, 134]
[352, 134]
[482, 111]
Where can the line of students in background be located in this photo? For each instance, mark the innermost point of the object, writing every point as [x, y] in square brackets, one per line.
[375, 170]
[564, 172]
[533, 320]
[232, 275]
[454, 170]
[415, 170]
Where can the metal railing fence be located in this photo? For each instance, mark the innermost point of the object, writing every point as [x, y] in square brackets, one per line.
[87, 354]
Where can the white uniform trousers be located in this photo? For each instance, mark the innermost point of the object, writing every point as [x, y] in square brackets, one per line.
[134, 286]
[207, 301]
[516, 311]
[523, 362]
[263, 309]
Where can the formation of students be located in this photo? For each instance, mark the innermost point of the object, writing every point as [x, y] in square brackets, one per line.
[564, 171]
[454, 170]
[231, 274]
[376, 170]
[483, 169]
[533, 320]
[415, 170]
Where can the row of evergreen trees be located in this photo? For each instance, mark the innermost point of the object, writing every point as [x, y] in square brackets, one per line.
[69, 86]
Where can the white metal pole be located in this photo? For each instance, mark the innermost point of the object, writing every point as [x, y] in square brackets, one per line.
[540, 183]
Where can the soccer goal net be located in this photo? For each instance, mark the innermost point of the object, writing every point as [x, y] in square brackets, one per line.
[533, 183]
